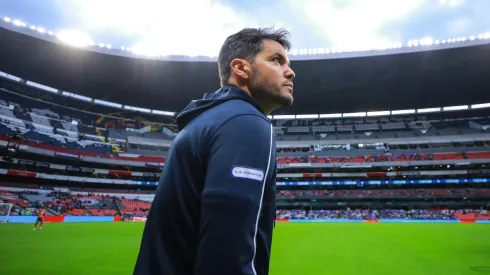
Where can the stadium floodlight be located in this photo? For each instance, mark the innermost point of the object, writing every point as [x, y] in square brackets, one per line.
[42, 87]
[428, 110]
[5, 209]
[137, 109]
[403, 112]
[284, 117]
[479, 106]
[358, 114]
[33, 28]
[9, 76]
[109, 46]
[306, 116]
[74, 38]
[101, 45]
[378, 113]
[6, 19]
[107, 103]
[41, 29]
[50, 33]
[17, 22]
[165, 113]
[443, 41]
[455, 108]
[472, 37]
[76, 96]
[122, 48]
[426, 41]
[330, 115]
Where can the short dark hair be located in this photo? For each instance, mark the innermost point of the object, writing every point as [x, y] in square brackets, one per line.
[246, 44]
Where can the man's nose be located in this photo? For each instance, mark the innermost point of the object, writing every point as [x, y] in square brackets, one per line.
[289, 73]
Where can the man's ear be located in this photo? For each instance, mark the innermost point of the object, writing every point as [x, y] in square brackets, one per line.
[241, 68]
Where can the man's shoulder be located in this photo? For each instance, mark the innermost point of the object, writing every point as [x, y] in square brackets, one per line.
[209, 122]
[236, 107]
[226, 111]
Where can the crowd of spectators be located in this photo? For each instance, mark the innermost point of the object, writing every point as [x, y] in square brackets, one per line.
[27, 203]
[364, 214]
[60, 203]
[384, 193]
[386, 157]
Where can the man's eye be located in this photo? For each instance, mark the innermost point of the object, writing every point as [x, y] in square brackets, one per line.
[277, 60]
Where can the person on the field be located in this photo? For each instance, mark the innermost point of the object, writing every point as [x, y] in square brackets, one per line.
[40, 218]
[214, 208]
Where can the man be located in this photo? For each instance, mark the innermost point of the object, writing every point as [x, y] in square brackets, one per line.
[214, 208]
[40, 218]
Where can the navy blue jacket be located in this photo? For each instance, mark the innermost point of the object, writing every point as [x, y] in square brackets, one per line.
[214, 208]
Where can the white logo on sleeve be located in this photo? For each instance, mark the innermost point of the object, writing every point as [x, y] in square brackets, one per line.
[248, 173]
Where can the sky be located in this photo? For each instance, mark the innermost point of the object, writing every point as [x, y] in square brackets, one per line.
[199, 27]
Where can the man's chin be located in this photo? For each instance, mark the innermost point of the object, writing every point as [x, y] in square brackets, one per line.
[287, 100]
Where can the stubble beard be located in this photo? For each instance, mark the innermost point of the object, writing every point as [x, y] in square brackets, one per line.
[264, 91]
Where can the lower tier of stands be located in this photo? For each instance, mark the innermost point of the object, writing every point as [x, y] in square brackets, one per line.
[362, 214]
[66, 203]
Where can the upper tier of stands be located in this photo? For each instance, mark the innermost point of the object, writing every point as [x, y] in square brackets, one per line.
[51, 112]
[387, 157]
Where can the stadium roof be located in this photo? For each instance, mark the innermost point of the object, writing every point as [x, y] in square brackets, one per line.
[454, 76]
[170, 28]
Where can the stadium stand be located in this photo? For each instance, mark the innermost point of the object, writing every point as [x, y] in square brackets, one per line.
[113, 203]
[85, 159]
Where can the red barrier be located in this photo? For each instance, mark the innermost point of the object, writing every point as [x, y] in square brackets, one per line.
[371, 220]
[120, 173]
[283, 220]
[467, 221]
[312, 175]
[21, 173]
[117, 218]
[54, 219]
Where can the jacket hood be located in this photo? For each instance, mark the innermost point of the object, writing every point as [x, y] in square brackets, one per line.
[197, 107]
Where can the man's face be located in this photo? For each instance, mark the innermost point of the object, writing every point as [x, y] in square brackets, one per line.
[271, 80]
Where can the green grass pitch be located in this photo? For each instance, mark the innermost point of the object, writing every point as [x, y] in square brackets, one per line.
[298, 248]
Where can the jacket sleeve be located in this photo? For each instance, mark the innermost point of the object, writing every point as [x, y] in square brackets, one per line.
[231, 200]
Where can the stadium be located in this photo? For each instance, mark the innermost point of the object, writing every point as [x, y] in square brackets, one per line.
[383, 161]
